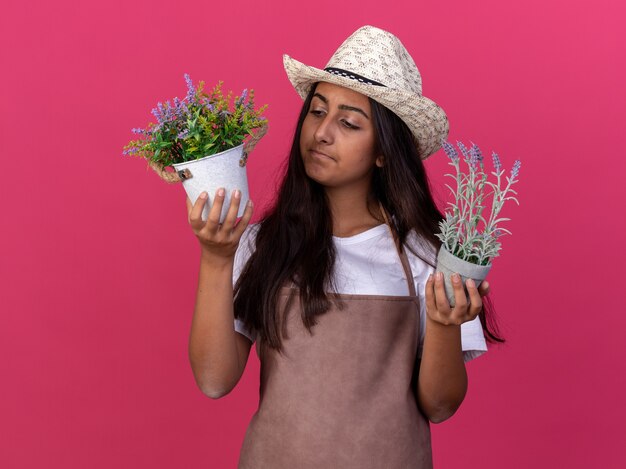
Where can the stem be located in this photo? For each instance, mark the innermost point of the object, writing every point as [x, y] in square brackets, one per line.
[496, 193]
[456, 201]
[473, 202]
[461, 221]
[469, 229]
[500, 204]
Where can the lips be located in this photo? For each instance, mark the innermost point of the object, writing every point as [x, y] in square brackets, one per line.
[320, 154]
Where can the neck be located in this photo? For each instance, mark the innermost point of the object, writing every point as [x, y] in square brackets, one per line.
[353, 211]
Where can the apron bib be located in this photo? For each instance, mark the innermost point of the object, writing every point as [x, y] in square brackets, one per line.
[344, 396]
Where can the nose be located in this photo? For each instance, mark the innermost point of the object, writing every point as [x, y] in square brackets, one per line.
[324, 133]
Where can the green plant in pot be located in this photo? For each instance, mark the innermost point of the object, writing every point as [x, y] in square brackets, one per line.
[466, 249]
[203, 138]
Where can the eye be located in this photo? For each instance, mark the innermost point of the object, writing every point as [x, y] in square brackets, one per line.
[349, 125]
[345, 123]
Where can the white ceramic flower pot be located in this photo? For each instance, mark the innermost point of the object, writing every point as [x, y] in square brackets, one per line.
[448, 264]
[215, 171]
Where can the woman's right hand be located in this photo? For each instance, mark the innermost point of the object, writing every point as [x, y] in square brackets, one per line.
[219, 239]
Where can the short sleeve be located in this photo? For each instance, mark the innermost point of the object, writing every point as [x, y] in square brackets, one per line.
[241, 328]
[473, 341]
[244, 251]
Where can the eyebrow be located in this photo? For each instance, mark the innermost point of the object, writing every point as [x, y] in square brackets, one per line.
[344, 107]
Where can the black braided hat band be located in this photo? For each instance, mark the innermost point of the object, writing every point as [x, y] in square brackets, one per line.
[344, 73]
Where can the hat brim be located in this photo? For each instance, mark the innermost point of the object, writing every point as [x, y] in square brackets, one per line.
[424, 117]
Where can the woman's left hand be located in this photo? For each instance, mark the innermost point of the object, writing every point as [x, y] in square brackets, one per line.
[438, 307]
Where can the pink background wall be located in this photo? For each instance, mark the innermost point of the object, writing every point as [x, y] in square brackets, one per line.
[98, 266]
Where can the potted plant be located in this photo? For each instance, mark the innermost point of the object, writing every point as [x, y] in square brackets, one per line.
[466, 249]
[203, 137]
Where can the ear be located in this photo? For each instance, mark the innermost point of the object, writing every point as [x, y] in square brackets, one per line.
[380, 161]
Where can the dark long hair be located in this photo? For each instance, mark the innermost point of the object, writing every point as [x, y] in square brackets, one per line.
[294, 240]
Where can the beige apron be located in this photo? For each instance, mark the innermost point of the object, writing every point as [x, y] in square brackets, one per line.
[343, 397]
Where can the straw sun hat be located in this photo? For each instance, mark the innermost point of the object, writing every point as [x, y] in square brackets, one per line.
[375, 63]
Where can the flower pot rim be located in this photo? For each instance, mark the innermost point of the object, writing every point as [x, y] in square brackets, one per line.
[463, 260]
[176, 165]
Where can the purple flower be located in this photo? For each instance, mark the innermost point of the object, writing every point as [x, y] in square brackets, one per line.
[157, 115]
[515, 170]
[477, 153]
[185, 108]
[183, 134]
[242, 98]
[473, 158]
[463, 150]
[168, 111]
[190, 89]
[496, 162]
[130, 151]
[178, 109]
[450, 151]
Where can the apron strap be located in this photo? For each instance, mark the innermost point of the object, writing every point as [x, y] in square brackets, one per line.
[403, 259]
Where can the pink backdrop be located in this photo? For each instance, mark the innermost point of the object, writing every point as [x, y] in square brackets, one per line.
[98, 267]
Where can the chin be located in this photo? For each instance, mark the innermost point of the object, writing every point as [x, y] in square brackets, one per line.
[315, 176]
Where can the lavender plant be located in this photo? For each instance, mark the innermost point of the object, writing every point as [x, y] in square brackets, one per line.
[199, 125]
[459, 231]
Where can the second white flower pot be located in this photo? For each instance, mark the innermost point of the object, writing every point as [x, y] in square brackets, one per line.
[448, 264]
[215, 171]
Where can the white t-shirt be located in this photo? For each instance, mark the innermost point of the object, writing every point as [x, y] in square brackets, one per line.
[368, 264]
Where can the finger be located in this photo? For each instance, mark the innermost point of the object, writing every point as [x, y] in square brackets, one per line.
[189, 207]
[460, 298]
[245, 219]
[195, 213]
[443, 306]
[483, 288]
[476, 303]
[213, 219]
[431, 305]
[231, 216]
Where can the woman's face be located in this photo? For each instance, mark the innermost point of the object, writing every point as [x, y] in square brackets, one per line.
[337, 138]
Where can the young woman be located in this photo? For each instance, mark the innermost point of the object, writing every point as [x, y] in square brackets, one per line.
[359, 348]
